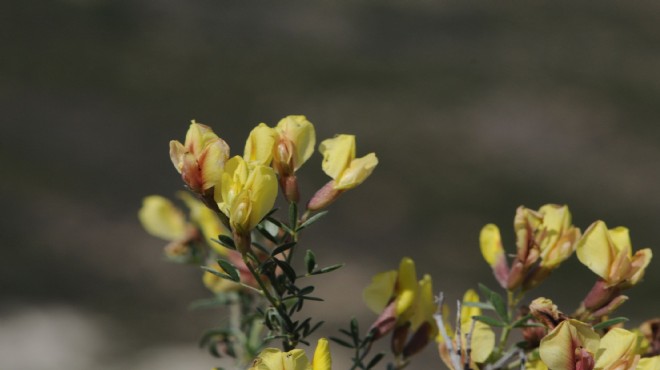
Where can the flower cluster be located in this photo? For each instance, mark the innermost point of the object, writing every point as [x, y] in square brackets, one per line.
[245, 252]
[232, 232]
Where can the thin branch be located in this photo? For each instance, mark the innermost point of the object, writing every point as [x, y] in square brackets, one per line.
[455, 360]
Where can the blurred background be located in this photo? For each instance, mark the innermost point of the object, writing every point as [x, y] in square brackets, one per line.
[473, 109]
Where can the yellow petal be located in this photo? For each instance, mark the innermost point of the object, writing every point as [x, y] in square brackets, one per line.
[322, 359]
[467, 312]
[262, 185]
[558, 347]
[639, 262]
[269, 359]
[233, 181]
[162, 219]
[483, 342]
[491, 244]
[299, 131]
[358, 171]
[649, 363]
[197, 136]
[406, 289]
[338, 153]
[296, 360]
[618, 343]
[206, 220]
[555, 221]
[259, 145]
[211, 162]
[378, 294]
[594, 249]
[239, 213]
[621, 240]
[424, 305]
[177, 150]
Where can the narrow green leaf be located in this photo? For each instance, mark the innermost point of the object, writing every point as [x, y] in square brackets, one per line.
[355, 328]
[316, 326]
[218, 273]
[496, 301]
[374, 361]
[262, 230]
[482, 305]
[306, 290]
[293, 215]
[282, 248]
[522, 321]
[500, 307]
[287, 269]
[346, 332]
[485, 291]
[312, 219]
[279, 224]
[489, 320]
[312, 298]
[225, 241]
[610, 322]
[328, 269]
[531, 325]
[341, 342]
[310, 261]
[230, 269]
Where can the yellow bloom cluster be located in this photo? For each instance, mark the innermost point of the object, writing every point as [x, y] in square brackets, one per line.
[574, 345]
[274, 359]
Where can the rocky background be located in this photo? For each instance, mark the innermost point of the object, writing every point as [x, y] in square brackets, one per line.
[473, 108]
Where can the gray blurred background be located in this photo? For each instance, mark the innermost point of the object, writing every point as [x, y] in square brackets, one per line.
[473, 108]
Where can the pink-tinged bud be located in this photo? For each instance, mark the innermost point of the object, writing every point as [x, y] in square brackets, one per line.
[385, 322]
[599, 296]
[399, 337]
[516, 275]
[583, 359]
[610, 306]
[324, 197]
[419, 340]
[289, 185]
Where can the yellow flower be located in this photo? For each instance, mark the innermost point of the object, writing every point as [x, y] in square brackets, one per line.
[339, 162]
[617, 350]
[608, 253]
[400, 286]
[545, 237]
[569, 346]
[483, 337]
[274, 359]
[162, 219]
[347, 172]
[288, 145]
[246, 194]
[294, 145]
[207, 221]
[201, 158]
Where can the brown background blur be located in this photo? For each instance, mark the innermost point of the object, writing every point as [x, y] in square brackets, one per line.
[473, 108]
